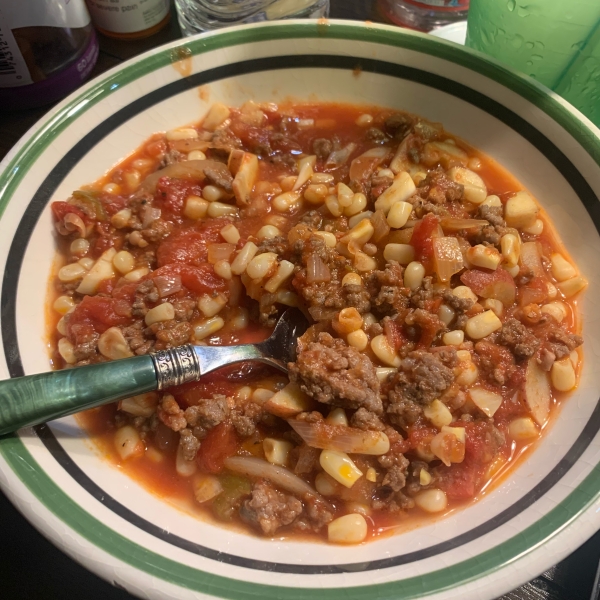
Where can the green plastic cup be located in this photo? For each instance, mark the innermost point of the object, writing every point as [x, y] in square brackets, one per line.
[555, 41]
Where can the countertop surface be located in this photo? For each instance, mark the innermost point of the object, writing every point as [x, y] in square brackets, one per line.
[31, 568]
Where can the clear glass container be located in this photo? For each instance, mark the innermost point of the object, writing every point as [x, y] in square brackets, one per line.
[129, 19]
[196, 16]
[424, 15]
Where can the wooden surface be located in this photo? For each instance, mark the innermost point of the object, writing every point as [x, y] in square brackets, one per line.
[32, 569]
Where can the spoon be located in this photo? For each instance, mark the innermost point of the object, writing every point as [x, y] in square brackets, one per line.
[34, 399]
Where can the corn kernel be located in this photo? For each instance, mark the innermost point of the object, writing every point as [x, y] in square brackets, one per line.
[484, 257]
[486, 401]
[340, 466]
[571, 287]
[162, 312]
[454, 338]
[349, 529]
[492, 200]
[399, 214]
[474, 187]
[522, 429]
[563, 375]
[337, 417]
[482, 325]
[446, 314]
[401, 253]
[208, 328]
[464, 292]
[536, 229]
[494, 305]
[413, 275]
[431, 501]
[561, 268]
[438, 413]
[555, 309]
[277, 452]
[520, 211]
[424, 477]
[230, 234]
[63, 304]
[328, 237]
[352, 279]
[358, 339]
[384, 352]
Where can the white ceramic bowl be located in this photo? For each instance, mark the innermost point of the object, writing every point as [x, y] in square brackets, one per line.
[92, 511]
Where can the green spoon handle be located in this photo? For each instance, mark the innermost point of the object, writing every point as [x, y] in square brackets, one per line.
[34, 399]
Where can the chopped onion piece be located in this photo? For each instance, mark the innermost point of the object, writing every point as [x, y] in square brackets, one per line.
[363, 166]
[341, 438]
[190, 169]
[167, 285]
[316, 270]
[452, 225]
[447, 257]
[280, 476]
[340, 157]
[217, 252]
[149, 215]
[380, 226]
[531, 258]
[72, 222]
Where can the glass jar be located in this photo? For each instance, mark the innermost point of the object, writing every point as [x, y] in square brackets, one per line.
[129, 19]
[197, 16]
[424, 15]
[44, 54]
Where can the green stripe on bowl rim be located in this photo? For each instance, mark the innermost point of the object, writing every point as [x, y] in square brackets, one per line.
[64, 508]
[55, 499]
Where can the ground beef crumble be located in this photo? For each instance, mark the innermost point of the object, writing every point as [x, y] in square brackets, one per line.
[421, 378]
[270, 509]
[334, 373]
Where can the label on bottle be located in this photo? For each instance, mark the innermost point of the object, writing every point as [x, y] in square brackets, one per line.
[63, 14]
[13, 68]
[127, 16]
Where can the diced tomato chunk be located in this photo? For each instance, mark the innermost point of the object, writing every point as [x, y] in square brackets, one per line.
[463, 480]
[106, 238]
[189, 246]
[422, 239]
[534, 292]
[185, 246]
[497, 284]
[111, 203]
[198, 279]
[60, 209]
[460, 481]
[421, 436]
[220, 443]
[171, 194]
[126, 292]
[394, 334]
[100, 313]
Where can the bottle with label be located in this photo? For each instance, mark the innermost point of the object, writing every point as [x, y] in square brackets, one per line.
[47, 49]
[129, 19]
[424, 15]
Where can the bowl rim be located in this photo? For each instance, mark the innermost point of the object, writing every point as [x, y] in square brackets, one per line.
[14, 168]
